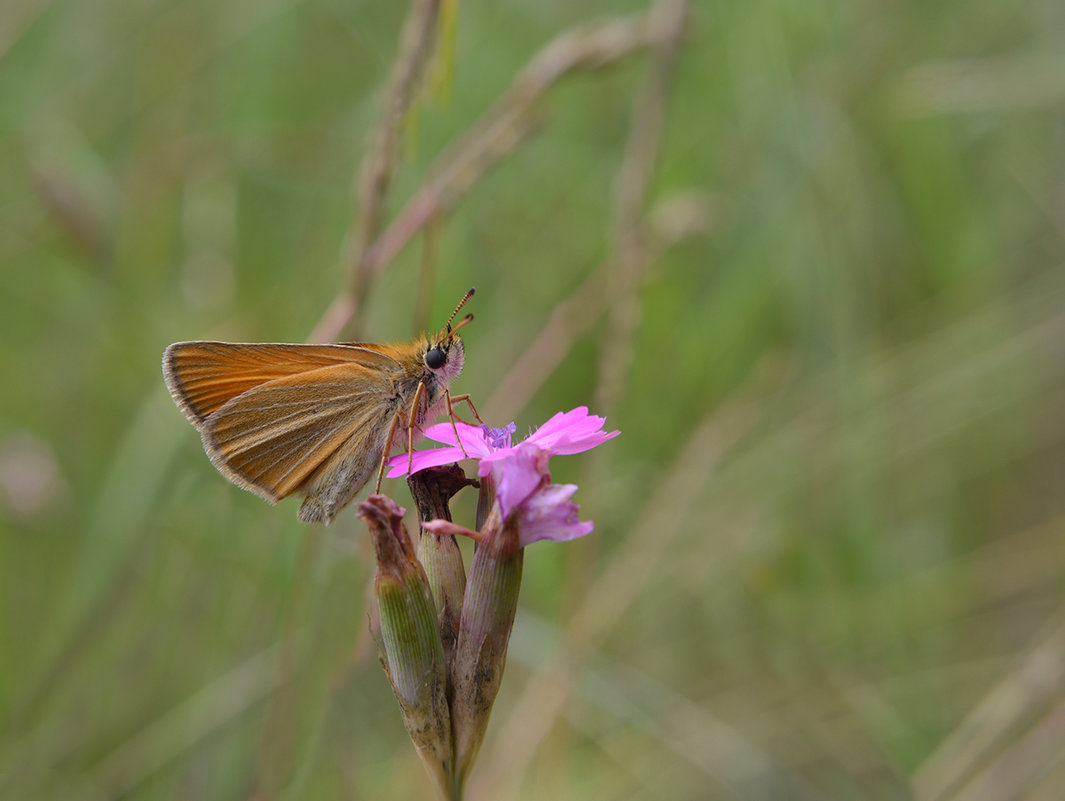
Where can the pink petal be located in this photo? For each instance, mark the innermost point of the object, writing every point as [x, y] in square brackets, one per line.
[472, 437]
[433, 457]
[549, 514]
[556, 425]
[572, 432]
[518, 474]
[580, 441]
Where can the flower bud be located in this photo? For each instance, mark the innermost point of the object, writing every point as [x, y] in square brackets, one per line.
[408, 638]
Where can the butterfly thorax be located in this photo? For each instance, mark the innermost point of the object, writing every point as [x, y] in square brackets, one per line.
[417, 396]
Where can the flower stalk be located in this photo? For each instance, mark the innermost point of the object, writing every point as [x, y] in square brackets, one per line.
[439, 554]
[488, 613]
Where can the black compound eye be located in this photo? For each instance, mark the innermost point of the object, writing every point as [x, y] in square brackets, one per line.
[435, 358]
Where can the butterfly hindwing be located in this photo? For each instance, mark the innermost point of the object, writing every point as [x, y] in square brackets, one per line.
[271, 438]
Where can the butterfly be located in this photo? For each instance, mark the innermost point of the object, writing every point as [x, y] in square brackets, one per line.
[314, 420]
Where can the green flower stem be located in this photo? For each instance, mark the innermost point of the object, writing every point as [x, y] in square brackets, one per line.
[432, 489]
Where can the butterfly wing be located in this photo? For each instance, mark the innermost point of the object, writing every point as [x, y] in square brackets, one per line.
[204, 376]
[269, 439]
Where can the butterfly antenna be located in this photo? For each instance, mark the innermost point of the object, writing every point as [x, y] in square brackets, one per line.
[448, 329]
[460, 324]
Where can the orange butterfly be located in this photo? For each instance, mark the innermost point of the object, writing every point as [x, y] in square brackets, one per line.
[317, 420]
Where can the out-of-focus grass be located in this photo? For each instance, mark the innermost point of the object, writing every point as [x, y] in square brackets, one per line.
[828, 557]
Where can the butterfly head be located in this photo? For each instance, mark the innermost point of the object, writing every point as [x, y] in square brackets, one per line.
[445, 353]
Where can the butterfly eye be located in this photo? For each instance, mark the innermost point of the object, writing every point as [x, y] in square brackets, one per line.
[435, 358]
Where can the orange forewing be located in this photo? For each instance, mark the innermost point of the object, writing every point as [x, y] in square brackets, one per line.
[202, 376]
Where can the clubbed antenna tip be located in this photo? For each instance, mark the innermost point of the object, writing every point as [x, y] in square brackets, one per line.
[468, 318]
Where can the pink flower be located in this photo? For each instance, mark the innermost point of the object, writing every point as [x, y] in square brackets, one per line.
[520, 474]
[565, 433]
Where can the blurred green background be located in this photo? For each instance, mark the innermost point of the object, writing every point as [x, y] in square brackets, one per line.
[828, 560]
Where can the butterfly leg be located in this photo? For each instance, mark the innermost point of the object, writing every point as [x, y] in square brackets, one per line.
[388, 447]
[461, 399]
[453, 416]
[419, 396]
